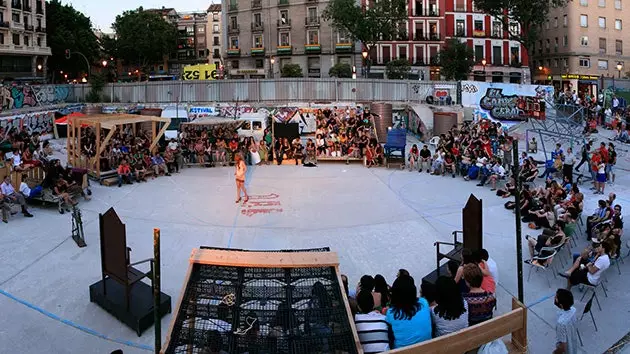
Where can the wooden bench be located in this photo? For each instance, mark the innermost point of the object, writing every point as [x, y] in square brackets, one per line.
[513, 323]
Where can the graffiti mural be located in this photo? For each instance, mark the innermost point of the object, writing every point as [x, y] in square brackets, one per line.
[25, 96]
[40, 122]
[235, 111]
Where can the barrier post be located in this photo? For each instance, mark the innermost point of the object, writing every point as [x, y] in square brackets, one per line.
[517, 213]
[156, 290]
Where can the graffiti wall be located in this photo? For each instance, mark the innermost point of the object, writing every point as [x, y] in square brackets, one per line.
[25, 96]
[40, 122]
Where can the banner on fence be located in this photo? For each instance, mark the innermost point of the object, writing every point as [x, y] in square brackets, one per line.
[506, 102]
[201, 72]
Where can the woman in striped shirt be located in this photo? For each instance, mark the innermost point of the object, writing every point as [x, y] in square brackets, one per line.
[373, 330]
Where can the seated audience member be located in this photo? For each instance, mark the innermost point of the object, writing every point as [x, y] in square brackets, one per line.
[6, 209]
[566, 325]
[508, 190]
[414, 158]
[159, 165]
[589, 273]
[381, 287]
[138, 169]
[487, 283]
[548, 238]
[171, 164]
[27, 192]
[451, 312]
[408, 315]
[124, 173]
[480, 302]
[602, 214]
[425, 159]
[542, 218]
[351, 297]
[372, 329]
[10, 196]
[492, 265]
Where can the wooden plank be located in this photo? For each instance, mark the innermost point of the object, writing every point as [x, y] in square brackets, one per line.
[519, 337]
[101, 146]
[264, 259]
[97, 156]
[169, 333]
[471, 337]
[353, 327]
[156, 138]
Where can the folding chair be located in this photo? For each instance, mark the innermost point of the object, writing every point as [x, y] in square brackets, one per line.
[615, 261]
[559, 248]
[587, 309]
[547, 268]
[579, 222]
[593, 288]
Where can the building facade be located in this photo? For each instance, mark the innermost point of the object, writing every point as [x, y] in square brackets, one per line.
[583, 42]
[214, 37]
[23, 49]
[192, 45]
[432, 22]
[262, 36]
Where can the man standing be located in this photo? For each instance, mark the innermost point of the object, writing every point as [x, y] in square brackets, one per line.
[566, 323]
[10, 195]
[586, 149]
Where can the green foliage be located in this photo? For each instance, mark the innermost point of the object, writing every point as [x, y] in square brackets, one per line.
[529, 14]
[398, 69]
[68, 28]
[292, 70]
[97, 83]
[142, 38]
[457, 60]
[382, 20]
[341, 70]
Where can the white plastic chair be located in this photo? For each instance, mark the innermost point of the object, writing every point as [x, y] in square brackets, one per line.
[435, 141]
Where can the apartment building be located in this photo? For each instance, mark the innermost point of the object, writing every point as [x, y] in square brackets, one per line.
[192, 45]
[582, 43]
[213, 35]
[23, 49]
[262, 36]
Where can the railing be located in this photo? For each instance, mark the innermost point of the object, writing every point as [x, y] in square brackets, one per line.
[311, 20]
[233, 7]
[4, 24]
[29, 28]
[283, 2]
[256, 4]
[27, 7]
[285, 23]
[233, 29]
[258, 26]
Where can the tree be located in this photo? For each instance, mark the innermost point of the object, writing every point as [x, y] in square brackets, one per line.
[398, 69]
[143, 38]
[340, 70]
[292, 70]
[530, 15]
[382, 20]
[68, 28]
[456, 60]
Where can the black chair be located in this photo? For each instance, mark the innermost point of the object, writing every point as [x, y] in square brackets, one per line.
[587, 309]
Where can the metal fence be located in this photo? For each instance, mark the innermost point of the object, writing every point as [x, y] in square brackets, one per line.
[274, 90]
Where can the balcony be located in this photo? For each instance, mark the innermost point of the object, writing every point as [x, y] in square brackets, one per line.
[40, 29]
[232, 7]
[619, 52]
[418, 12]
[479, 33]
[419, 37]
[284, 50]
[256, 4]
[29, 28]
[345, 47]
[26, 7]
[497, 35]
[234, 52]
[516, 64]
[432, 13]
[39, 10]
[312, 48]
[434, 37]
[4, 24]
[283, 2]
[17, 25]
[418, 62]
[258, 27]
[311, 21]
[233, 29]
[460, 33]
[258, 52]
[284, 23]
[434, 61]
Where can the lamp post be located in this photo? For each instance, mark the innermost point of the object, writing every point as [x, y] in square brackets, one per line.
[619, 68]
[104, 63]
[272, 61]
[364, 54]
[483, 63]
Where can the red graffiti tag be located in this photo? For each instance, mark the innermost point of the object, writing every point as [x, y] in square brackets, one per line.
[261, 204]
[252, 211]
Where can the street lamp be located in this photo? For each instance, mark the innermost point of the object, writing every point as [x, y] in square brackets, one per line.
[364, 54]
[104, 62]
[272, 60]
[39, 67]
[619, 67]
[540, 68]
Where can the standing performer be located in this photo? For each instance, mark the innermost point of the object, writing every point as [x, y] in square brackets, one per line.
[241, 169]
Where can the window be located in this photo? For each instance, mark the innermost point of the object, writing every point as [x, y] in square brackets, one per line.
[234, 42]
[26, 20]
[478, 53]
[618, 25]
[191, 30]
[556, 43]
[215, 16]
[565, 62]
[601, 3]
[26, 41]
[313, 36]
[602, 45]
[258, 19]
[215, 40]
[460, 5]
[233, 22]
[201, 29]
[555, 22]
[402, 52]
[202, 53]
[618, 4]
[39, 41]
[602, 22]
[619, 47]
[547, 24]
[585, 62]
[16, 39]
[565, 21]
[565, 41]
[460, 28]
[515, 54]
[496, 29]
[583, 20]
[284, 17]
[555, 63]
[478, 25]
[602, 64]
[216, 53]
[514, 29]
[584, 2]
[285, 39]
[258, 41]
[343, 37]
[584, 41]
[16, 18]
[548, 45]
[496, 55]
[259, 64]
[235, 64]
[215, 28]
[1, 38]
[312, 14]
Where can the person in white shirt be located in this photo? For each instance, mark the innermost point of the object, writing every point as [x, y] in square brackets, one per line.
[27, 191]
[492, 265]
[566, 325]
[589, 273]
[9, 194]
[567, 166]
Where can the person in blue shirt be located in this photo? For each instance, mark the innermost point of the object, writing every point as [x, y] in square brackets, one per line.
[408, 315]
[159, 165]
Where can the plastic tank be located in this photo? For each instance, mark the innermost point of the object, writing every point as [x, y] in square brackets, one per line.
[443, 122]
[384, 119]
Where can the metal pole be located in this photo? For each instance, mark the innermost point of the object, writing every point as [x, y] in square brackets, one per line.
[156, 290]
[517, 210]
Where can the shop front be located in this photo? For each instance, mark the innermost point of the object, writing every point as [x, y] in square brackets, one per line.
[247, 73]
[582, 84]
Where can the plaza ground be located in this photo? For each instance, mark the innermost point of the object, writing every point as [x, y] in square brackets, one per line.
[377, 220]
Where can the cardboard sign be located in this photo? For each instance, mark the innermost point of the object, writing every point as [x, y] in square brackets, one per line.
[201, 72]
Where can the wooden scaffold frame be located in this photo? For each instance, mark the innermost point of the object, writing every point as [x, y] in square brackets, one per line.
[112, 123]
